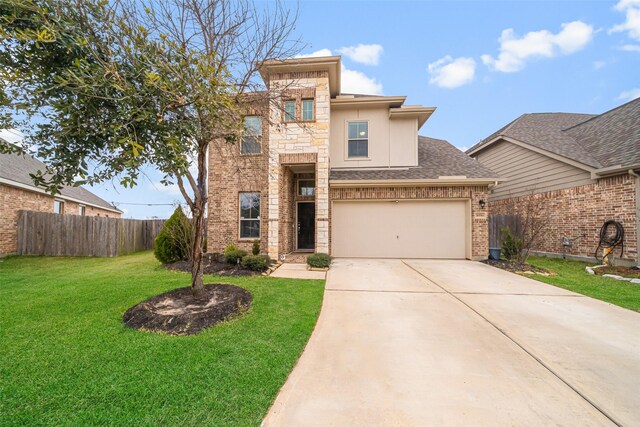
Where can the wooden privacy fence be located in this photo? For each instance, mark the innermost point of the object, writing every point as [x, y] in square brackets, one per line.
[41, 233]
[496, 222]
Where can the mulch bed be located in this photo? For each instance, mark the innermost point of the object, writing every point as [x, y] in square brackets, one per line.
[179, 312]
[618, 271]
[212, 264]
[520, 268]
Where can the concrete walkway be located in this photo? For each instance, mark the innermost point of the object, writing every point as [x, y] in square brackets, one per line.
[297, 271]
[414, 343]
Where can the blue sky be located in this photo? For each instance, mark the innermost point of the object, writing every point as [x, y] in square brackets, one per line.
[482, 64]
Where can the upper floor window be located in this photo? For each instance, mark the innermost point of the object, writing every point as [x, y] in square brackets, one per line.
[82, 210]
[307, 110]
[249, 215]
[290, 110]
[358, 141]
[58, 206]
[252, 139]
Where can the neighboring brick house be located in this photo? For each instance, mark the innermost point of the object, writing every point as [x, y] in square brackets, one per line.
[583, 167]
[17, 192]
[344, 174]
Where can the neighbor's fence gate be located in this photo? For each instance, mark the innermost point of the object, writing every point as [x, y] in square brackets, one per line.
[41, 233]
[496, 222]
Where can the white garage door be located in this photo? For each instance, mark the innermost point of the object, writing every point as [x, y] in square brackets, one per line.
[402, 229]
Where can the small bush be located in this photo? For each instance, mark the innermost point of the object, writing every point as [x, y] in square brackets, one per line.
[256, 262]
[174, 242]
[255, 249]
[319, 260]
[232, 254]
[511, 245]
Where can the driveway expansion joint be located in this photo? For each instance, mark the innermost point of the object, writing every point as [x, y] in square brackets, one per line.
[513, 340]
[383, 291]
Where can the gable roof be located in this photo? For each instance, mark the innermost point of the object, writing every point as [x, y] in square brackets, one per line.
[598, 141]
[436, 158]
[16, 168]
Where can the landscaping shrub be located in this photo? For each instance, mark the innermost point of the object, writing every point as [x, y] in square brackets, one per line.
[511, 245]
[175, 240]
[256, 262]
[319, 260]
[255, 249]
[232, 254]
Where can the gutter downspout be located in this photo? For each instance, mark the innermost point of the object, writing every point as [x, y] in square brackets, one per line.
[637, 179]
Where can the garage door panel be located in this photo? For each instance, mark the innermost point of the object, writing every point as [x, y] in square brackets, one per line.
[403, 229]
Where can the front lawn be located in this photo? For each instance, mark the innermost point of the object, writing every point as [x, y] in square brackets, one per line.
[66, 358]
[571, 275]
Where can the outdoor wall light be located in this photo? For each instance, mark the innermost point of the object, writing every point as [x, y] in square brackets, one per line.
[482, 203]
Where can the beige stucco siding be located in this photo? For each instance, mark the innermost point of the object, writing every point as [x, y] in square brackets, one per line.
[391, 142]
[527, 171]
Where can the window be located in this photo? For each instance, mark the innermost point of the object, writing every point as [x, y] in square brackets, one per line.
[306, 187]
[249, 215]
[290, 111]
[307, 110]
[358, 142]
[58, 206]
[252, 139]
[81, 210]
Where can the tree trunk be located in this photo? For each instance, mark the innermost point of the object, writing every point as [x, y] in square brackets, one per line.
[199, 207]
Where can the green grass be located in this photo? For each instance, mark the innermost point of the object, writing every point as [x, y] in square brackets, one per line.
[571, 275]
[66, 358]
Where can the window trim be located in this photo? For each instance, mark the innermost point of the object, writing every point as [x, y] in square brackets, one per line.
[346, 145]
[61, 202]
[259, 136]
[240, 219]
[82, 210]
[313, 110]
[284, 111]
[299, 187]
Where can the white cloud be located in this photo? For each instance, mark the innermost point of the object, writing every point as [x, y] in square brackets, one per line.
[631, 25]
[368, 54]
[515, 51]
[12, 136]
[629, 95]
[451, 73]
[357, 82]
[321, 52]
[597, 65]
[352, 81]
[630, 47]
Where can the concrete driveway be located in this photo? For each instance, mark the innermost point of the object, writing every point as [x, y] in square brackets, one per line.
[426, 342]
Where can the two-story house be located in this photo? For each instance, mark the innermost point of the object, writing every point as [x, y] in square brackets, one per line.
[346, 175]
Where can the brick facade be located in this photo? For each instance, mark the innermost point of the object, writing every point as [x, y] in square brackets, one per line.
[578, 211]
[479, 224]
[13, 199]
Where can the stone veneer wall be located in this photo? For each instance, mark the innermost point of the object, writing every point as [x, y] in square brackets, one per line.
[479, 216]
[13, 199]
[299, 138]
[582, 210]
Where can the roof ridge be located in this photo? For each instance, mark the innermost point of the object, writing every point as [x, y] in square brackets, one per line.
[595, 116]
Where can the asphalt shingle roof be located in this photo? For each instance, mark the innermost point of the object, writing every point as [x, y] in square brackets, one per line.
[608, 139]
[436, 158]
[17, 168]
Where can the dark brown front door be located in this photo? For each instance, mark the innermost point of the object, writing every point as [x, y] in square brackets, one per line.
[306, 225]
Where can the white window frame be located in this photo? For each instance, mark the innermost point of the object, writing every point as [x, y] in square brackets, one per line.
[82, 210]
[347, 139]
[60, 203]
[285, 117]
[257, 138]
[240, 218]
[313, 109]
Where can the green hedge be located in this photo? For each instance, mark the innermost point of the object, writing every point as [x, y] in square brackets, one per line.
[256, 262]
[319, 260]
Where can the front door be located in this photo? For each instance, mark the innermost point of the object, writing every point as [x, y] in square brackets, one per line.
[306, 225]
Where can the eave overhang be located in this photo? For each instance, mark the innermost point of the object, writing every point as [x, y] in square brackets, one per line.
[439, 182]
[331, 64]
